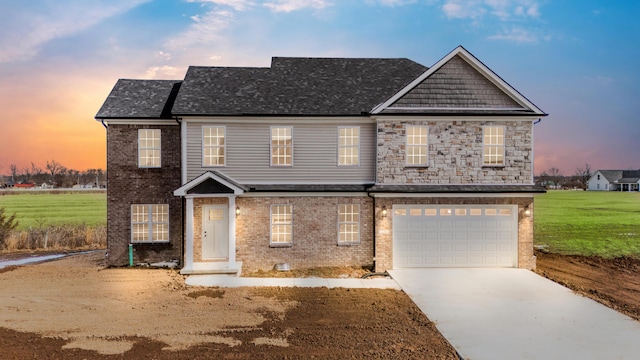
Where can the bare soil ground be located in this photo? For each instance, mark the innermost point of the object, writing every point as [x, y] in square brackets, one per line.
[74, 308]
[612, 282]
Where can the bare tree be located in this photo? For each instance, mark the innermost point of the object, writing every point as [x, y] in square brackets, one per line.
[556, 177]
[14, 172]
[583, 175]
[56, 170]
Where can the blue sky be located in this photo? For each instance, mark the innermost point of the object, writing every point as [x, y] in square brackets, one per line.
[576, 60]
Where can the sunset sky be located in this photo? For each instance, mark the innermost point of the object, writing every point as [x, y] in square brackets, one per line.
[579, 61]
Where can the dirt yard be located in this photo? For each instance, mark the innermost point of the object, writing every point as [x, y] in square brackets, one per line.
[612, 282]
[75, 309]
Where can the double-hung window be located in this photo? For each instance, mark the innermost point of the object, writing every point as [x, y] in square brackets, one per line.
[348, 146]
[149, 223]
[213, 146]
[417, 147]
[493, 146]
[281, 224]
[149, 148]
[348, 223]
[281, 146]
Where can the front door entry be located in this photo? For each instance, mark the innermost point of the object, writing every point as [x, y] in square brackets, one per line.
[215, 232]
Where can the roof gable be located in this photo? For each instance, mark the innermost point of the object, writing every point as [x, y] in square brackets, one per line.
[211, 183]
[459, 82]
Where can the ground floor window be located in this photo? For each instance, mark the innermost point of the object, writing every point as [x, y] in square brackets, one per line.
[281, 224]
[348, 223]
[149, 223]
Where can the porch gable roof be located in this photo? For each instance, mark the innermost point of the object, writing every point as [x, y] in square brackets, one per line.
[211, 182]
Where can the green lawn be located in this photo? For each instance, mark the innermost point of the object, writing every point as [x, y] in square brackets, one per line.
[588, 222]
[34, 210]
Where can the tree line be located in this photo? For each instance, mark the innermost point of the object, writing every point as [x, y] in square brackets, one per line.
[554, 179]
[54, 174]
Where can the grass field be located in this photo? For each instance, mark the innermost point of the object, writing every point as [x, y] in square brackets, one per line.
[588, 222]
[39, 210]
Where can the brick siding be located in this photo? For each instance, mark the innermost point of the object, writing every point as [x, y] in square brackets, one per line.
[127, 184]
[315, 233]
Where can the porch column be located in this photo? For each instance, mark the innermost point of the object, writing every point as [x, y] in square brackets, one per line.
[232, 230]
[188, 238]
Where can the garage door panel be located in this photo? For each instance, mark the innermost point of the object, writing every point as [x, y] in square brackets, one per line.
[455, 236]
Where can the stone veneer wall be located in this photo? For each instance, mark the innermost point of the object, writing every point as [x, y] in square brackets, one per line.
[315, 233]
[384, 231]
[128, 184]
[455, 153]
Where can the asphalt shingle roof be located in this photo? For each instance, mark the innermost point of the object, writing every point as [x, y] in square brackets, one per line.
[295, 86]
[140, 99]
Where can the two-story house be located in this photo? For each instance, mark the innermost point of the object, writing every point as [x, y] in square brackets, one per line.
[322, 162]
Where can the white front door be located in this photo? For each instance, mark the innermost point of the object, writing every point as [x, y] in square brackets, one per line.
[215, 232]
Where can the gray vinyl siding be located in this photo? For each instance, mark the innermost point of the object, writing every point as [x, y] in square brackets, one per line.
[315, 152]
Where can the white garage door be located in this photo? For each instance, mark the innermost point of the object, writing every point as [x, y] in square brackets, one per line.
[455, 236]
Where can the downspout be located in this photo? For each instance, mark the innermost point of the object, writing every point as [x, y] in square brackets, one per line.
[374, 243]
[104, 124]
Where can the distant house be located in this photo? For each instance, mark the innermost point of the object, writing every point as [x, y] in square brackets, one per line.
[25, 185]
[615, 180]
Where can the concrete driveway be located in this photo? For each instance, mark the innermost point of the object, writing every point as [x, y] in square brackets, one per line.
[517, 314]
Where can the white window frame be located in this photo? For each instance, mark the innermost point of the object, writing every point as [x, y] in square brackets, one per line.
[278, 146]
[349, 216]
[346, 143]
[275, 223]
[214, 147]
[412, 145]
[493, 151]
[144, 139]
[150, 217]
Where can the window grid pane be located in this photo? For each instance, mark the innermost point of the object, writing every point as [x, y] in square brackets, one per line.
[417, 147]
[281, 224]
[150, 223]
[281, 146]
[149, 148]
[213, 146]
[493, 153]
[349, 223]
[349, 146]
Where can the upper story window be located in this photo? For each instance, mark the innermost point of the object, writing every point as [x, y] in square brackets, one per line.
[348, 146]
[281, 224]
[281, 146]
[213, 146]
[417, 147]
[598, 176]
[149, 148]
[348, 223]
[493, 146]
[149, 223]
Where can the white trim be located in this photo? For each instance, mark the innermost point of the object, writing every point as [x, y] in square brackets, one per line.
[271, 164]
[284, 120]
[478, 66]
[183, 155]
[456, 108]
[504, 146]
[224, 146]
[188, 239]
[453, 195]
[338, 148]
[406, 146]
[167, 122]
[182, 191]
[454, 117]
[302, 194]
